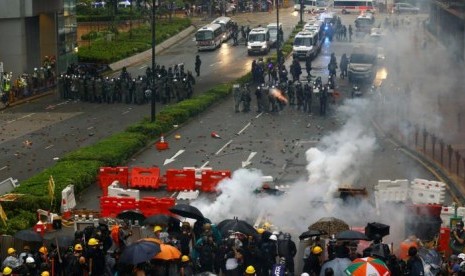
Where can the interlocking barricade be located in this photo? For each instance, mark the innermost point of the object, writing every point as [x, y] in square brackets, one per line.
[107, 175]
[210, 179]
[444, 240]
[150, 206]
[179, 180]
[112, 206]
[145, 178]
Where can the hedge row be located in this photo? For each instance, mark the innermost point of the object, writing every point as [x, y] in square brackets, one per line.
[126, 44]
[80, 167]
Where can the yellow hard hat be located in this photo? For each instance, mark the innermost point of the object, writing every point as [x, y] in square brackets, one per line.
[266, 225]
[185, 258]
[45, 273]
[43, 250]
[11, 250]
[317, 250]
[92, 241]
[250, 270]
[7, 270]
[260, 230]
[78, 247]
[157, 228]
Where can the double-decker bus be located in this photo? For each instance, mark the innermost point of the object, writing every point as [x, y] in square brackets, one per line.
[354, 6]
[209, 37]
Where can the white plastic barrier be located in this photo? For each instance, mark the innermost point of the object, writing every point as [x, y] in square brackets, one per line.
[424, 191]
[188, 195]
[68, 201]
[115, 190]
[392, 191]
[448, 212]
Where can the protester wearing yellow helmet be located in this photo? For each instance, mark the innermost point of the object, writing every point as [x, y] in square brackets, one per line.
[45, 273]
[186, 267]
[260, 230]
[250, 270]
[92, 242]
[7, 271]
[43, 250]
[78, 247]
[11, 260]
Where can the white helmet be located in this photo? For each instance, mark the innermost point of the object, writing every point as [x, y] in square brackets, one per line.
[461, 256]
[30, 260]
[273, 238]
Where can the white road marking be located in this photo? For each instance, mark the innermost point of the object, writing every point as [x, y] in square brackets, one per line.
[49, 146]
[142, 67]
[89, 128]
[244, 128]
[213, 64]
[61, 103]
[23, 117]
[2, 168]
[125, 112]
[169, 160]
[204, 164]
[173, 195]
[258, 115]
[223, 147]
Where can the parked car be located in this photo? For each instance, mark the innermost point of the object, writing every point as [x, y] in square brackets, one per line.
[124, 4]
[405, 8]
[98, 4]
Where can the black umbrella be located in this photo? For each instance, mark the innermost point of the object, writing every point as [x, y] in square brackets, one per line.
[64, 241]
[131, 215]
[139, 252]
[28, 235]
[187, 211]
[311, 233]
[351, 235]
[161, 219]
[229, 226]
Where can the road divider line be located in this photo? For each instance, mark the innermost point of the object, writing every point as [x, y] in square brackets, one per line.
[244, 128]
[23, 117]
[142, 67]
[223, 147]
[2, 168]
[258, 115]
[89, 128]
[204, 164]
[125, 112]
[49, 146]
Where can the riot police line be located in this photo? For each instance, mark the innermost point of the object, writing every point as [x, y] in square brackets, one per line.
[171, 85]
[274, 90]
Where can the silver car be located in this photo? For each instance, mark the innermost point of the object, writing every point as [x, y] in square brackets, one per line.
[405, 8]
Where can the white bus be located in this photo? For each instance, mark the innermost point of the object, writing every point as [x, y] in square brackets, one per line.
[312, 6]
[227, 25]
[209, 37]
[354, 6]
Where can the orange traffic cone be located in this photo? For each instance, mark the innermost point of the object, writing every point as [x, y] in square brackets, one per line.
[215, 135]
[162, 145]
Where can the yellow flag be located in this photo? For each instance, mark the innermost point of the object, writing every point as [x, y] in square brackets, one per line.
[51, 189]
[3, 215]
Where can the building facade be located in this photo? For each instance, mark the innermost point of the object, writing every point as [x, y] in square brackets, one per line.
[30, 30]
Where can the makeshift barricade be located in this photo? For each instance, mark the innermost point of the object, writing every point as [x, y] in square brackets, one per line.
[210, 179]
[443, 241]
[112, 206]
[107, 175]
[153, 206]
[114, 190]
[145, 178]
[180, 180]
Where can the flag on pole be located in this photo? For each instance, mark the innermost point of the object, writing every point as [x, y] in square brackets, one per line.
[3, 215]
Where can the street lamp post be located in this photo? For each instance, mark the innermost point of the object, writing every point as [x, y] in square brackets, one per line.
[278, 42]
[152, 96]
[301, 11]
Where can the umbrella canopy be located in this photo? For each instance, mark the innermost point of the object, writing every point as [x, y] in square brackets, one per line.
[229, 226]
[131, 215]
[139, 252]
[28, 235]
[168, 253]
[351, 235]
[63, 241]
[367, 267]
[311, 233]
[330, 225]
[187, 211]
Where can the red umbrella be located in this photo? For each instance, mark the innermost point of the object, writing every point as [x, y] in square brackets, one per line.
[367, 267]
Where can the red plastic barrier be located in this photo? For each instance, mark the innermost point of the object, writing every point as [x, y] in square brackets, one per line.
[150, 206]
[107, 175]
[433, 210]
[112, 206]
[443, 241]
[210, 179]
[180, 180]
[145, 178]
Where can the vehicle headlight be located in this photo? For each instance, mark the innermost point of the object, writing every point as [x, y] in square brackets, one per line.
[263, 46]
[249, 47]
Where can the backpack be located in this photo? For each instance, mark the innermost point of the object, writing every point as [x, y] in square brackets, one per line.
[114, 234]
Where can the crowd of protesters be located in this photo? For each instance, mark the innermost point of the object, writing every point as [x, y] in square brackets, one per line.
[205, 249]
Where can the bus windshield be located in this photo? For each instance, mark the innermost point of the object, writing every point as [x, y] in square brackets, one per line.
[204, 35]
[303, 41]
[256, 37]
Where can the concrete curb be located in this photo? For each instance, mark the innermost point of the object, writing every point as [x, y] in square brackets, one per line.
[148, 54]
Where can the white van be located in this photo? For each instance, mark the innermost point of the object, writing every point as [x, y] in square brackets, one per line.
[307, 44]
[259, 41]
[273, 28]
